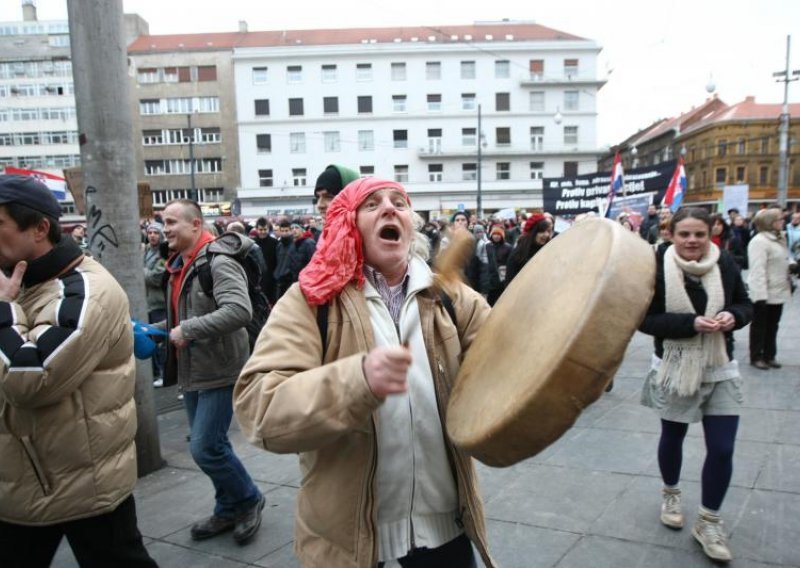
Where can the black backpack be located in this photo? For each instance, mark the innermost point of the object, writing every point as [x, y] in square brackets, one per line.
[252, 260]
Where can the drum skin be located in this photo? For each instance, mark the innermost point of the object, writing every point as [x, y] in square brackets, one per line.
[552, 342]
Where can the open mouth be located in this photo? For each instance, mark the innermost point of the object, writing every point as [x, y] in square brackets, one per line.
[390, 234]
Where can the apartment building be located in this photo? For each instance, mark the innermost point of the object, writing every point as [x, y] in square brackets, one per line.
[403, 104]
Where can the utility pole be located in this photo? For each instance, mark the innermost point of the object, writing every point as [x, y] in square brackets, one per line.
[479, 205]
[102, 97]
[783, 164]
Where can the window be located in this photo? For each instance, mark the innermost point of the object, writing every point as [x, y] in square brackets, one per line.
[295, 107]
[468, 136]
[400, 138]
[740, 174]
[399, 103]
[366, 170]
[207, 104]
[298, 176]
[435, 172]
[536, 69]
[537, 138]
[764, 144]
[722, 148]
[570, 100]
[265, 178]
[262, 107]
[206, 72]
[329, 73]
[433, 70]
[171, 75]
[398, 71]
[434, 140]
[720, 174]
[184, 74]
[363, 71]
[150, 106]
[469, 171]
[294, 74]
[332, 141]
[537, 170]
[502, 101]
[467, 69]
[297, 142]
[570, 169]
[149, 138]
[434, 103]
[502, 69]
[570, 68]
[210, 135]
[503, 170]
[263, 143]
[763, 174]
[144, 75]
[259, 75]
[366, 140]
[537, 101]
[364, 104]
[503, 136]
[468, 101]
[742, 149]
[330, 105]
[401, 173]
[571, 135]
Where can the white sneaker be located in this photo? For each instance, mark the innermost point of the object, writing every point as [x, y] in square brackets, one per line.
[671, 515]
[158, 383]
[180, 396]
[709, 533]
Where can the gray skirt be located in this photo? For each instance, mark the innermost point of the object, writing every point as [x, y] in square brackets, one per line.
[723, 398]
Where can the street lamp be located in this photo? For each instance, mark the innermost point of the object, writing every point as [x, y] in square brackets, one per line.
[557, 118]
[783, 163]
[635, 154]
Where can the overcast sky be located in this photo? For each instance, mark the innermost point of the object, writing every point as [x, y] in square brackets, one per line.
[658, 57]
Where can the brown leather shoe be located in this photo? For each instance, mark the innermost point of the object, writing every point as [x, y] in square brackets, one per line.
[247, 524]
[774, 364]
[760, 365]
[212, 526]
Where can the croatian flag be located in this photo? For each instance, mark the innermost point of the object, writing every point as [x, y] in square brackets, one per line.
[676, 188]
[616, 181]
[56, 184]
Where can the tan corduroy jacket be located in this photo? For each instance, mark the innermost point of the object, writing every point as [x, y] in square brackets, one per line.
[286, 402]
[67, 416]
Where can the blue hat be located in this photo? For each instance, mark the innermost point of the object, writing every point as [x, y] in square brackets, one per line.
[30, 192]
[143, 344]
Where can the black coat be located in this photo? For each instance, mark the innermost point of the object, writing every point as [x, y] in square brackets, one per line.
[663, 325]
[269, 249]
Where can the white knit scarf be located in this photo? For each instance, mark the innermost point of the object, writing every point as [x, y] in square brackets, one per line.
[685, 360]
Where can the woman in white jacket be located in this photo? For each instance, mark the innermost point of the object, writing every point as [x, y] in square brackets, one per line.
[769, 285]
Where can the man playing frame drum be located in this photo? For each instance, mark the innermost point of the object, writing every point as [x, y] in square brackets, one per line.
[382, 482]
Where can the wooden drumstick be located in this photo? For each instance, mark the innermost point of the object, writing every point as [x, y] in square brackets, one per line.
[449, 264]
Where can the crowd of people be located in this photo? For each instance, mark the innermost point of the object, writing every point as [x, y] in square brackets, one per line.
[351, 371]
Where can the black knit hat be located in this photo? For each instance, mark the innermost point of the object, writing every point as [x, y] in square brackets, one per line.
[334, 178]
[29, 192]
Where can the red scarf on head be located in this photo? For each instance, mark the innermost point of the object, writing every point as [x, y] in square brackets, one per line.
[339, 258]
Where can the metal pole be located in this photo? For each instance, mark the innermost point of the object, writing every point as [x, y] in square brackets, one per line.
[479, 211]
[193, 192]
[786, 77]
[102, 99]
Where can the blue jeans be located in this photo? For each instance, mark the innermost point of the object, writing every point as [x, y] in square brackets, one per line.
[210, 412]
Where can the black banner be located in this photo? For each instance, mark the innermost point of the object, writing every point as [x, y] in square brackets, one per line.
[565, 197]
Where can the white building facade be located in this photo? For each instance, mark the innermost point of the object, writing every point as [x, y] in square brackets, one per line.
[403, 104]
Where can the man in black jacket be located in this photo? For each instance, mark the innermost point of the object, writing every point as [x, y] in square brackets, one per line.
[269, 249]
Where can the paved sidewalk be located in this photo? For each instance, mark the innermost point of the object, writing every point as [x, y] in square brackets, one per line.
[590, 500]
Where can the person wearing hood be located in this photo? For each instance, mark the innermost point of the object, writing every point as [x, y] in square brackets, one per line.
[329, 183]
[498, 252]
[769, 283]
[478, 268]
[154, 268]
[362, 404]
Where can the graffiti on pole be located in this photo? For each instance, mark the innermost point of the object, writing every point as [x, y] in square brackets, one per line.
[102, 233]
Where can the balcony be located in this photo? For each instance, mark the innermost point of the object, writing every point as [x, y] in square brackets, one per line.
[538, 80]
[491, 151]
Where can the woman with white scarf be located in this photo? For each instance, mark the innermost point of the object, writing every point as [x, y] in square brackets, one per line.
[770, 286]
[699, 300]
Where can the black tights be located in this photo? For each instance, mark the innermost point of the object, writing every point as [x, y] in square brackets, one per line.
[720, 436]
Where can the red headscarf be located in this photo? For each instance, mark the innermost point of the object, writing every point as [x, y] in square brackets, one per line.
[339, 258]
[531, 222]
